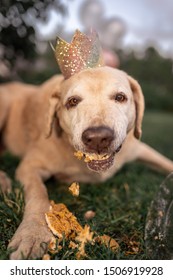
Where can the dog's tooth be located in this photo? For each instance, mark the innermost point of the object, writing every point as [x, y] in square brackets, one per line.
[106, 156]
[100, 157]
[95, 157]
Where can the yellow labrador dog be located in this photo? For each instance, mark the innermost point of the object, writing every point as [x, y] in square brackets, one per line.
[97, 112]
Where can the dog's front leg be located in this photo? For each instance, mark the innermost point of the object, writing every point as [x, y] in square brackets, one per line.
[32, 236]
[153, 158]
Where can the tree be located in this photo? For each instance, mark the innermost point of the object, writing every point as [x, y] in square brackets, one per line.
[17, 34]
[154, 74]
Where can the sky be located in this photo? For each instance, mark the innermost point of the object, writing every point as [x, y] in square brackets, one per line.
[146, 21]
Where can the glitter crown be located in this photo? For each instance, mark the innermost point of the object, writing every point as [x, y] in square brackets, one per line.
[83, 52]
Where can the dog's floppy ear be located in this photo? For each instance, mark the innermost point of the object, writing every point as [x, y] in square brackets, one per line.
[53, 106]
[139, 104]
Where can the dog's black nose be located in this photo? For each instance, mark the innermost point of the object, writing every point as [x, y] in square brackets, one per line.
[98, 139]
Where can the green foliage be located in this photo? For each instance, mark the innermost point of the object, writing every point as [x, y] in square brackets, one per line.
[155, 75]
[11, 212]
[17, 27]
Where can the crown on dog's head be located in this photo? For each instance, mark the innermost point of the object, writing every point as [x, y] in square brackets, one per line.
[83, 52]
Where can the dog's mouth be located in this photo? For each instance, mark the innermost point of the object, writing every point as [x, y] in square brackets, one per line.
[102, 164]
[96, 162]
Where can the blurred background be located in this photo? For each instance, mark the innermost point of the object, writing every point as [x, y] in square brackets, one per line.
[137, 37]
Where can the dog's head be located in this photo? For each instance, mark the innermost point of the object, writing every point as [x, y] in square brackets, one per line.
[97, 108]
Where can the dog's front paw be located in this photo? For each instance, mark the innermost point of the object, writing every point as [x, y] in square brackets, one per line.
[30, 240]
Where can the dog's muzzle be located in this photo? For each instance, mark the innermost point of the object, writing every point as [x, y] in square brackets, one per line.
[98, 153]
[98, 139]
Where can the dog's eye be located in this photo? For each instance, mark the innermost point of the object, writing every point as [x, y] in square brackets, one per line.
[72, 102]
[120, 97]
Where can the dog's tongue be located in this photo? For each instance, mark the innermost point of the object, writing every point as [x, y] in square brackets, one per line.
[101, 165]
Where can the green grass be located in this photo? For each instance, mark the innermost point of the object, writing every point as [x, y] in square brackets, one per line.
[121, 204]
